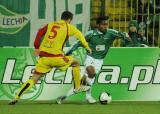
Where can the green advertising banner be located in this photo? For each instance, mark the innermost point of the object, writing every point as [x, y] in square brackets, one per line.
[20, 20]
[128, 74]
[14, 23]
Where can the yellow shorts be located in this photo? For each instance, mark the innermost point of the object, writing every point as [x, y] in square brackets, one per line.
[45, 64]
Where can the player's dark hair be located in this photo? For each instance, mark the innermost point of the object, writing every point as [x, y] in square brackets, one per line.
[66, 15]
[101, 18]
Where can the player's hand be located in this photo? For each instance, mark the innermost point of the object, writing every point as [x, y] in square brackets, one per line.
[128, 37]
[89, 51]
[36, 52]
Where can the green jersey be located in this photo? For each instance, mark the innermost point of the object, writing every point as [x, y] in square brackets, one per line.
[100, 42]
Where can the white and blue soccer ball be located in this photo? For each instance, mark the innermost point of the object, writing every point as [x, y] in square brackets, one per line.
[105, 98]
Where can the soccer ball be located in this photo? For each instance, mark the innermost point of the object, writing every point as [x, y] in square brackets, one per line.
[105, 98]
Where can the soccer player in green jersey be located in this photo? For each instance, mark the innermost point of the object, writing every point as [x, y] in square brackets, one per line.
[99, 40]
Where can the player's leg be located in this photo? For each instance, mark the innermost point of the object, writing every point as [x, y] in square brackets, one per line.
[90, 76]
[76, 73]
[74, 63]
[77, 80]
[77, 77]
[26, 87]
[68, 94]
[91, 73]
[71, 92]
[40, 70]
[93, 66]
[84, 81]
[68, 61]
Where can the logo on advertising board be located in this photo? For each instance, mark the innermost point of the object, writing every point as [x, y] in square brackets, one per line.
[115, 75]
[10, 22]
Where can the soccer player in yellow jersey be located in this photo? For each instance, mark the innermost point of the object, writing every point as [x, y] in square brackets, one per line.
[50, 50]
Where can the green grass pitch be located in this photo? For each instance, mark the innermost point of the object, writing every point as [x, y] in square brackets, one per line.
[74, 107]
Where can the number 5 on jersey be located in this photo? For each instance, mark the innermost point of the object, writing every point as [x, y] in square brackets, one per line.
[53, 32]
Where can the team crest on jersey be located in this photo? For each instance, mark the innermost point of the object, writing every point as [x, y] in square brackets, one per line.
[106, 38]
[100, 47]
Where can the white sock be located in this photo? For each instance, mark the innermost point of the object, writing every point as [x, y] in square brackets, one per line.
[88, 94]
[70, 92]
[90, 81]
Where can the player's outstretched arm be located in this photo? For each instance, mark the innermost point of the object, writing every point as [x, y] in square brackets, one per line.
[122, 35]
[73, 31]
[73, 48]
[127, 37]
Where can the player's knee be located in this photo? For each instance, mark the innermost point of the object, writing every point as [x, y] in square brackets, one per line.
[91, 71]
[75, 63]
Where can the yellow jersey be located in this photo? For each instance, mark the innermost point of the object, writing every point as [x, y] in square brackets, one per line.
[57, 34]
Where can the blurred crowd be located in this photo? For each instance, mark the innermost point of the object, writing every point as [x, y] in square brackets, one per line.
[148, 12]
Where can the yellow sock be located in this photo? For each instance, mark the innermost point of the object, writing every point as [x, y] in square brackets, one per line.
[24, 88]
[76, 76]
